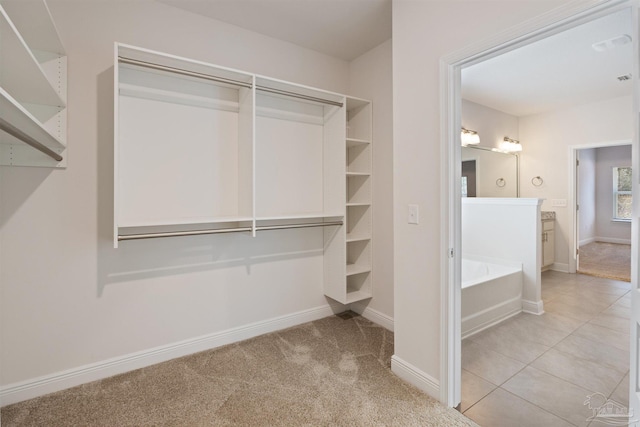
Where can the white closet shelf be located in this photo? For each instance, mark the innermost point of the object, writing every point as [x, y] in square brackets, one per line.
[358, 174]
[33, 20]
[353, 269]
[357, 296]
[24, 68]
[353, 142]
[23, 121]
[358, 237]
[358, 204]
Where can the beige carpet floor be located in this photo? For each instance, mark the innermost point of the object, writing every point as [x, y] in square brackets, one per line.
[608, 260]
[331, 372]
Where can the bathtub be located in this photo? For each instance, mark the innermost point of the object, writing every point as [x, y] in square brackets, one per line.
[491, 293]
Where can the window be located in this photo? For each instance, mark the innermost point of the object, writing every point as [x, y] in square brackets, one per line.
[622, 194]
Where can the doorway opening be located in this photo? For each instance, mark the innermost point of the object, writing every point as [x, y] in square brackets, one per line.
[602, 219]
[554, 23]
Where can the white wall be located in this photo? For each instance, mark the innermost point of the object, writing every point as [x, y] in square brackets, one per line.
[492, 125]
[587, 195]
[546, 139]
[424, 31]
[608, 230]
[370, 78]
[68, 298]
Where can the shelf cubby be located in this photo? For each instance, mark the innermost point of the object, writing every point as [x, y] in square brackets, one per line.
[358, 287]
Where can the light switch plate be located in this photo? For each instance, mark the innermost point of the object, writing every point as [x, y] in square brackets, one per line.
[559, 203]
[413, 214]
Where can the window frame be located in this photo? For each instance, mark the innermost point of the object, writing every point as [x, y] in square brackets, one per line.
[617, 192]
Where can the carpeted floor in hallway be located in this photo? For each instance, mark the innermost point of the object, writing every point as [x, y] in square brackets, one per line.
[330, 372]
[608, 260]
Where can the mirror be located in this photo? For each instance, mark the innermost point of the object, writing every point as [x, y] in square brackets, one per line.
[487, 172]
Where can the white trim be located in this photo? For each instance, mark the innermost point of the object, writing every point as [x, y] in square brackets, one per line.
[415, 376]
[375, 316]
[532, 307]
[35, 387]
[560, 266]
[613, 240]
[496, 314]
[559, 19]
[507, 201]
[586, 241]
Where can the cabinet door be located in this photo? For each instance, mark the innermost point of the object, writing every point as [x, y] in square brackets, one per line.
[548, 251]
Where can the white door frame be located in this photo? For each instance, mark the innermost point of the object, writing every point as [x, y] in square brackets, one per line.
[573, 193]
[567, 16]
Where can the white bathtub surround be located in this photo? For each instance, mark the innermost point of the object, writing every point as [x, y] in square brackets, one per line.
[508, 229]
[491, 292]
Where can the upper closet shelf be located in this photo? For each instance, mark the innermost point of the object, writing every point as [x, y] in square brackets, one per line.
[22, 75]
[32, 86]
[353, 142]
[35, 23]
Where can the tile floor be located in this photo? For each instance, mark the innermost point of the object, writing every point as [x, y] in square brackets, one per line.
[538, 370]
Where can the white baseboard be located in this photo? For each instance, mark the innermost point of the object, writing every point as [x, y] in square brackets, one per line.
[416, 377]
[477, 322]
[17, 392]
[586, 241]
[375, 316]
[560, 266]
[613, 240]
[533, 307]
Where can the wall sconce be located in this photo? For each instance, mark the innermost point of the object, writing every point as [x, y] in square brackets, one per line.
[509, 145]
[469, 137]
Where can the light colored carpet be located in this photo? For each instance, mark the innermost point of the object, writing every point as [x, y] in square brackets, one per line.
[608, 260]
[331, 372]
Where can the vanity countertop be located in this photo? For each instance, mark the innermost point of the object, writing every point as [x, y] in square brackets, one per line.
[548, 216]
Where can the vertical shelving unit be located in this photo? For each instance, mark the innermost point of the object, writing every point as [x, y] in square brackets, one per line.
[33, 86]
[357, 283]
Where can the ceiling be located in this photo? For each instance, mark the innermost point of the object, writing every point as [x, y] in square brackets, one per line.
[341, 28]
[557, 72]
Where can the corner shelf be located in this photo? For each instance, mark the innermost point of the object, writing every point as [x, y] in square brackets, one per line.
[32, 86]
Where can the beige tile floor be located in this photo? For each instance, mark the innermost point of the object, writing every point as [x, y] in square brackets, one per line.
[538, 370]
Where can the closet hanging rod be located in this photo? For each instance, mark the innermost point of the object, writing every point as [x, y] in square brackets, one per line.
[11, 130]
[196, 74]
[299, 96]
[286, 226]
[175, 70]
[223, 230]
[181, 233]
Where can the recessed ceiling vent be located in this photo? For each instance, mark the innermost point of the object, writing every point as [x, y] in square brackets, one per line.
[612, 43]
[624, 78]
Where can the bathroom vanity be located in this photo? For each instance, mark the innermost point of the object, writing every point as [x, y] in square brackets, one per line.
[548, 250]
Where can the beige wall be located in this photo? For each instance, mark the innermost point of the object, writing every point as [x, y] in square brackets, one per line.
[424, 31]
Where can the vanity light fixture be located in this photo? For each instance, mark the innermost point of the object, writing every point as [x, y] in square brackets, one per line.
[510, 145]
[469, 137]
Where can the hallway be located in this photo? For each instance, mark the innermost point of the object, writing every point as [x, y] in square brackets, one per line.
[539, 370]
